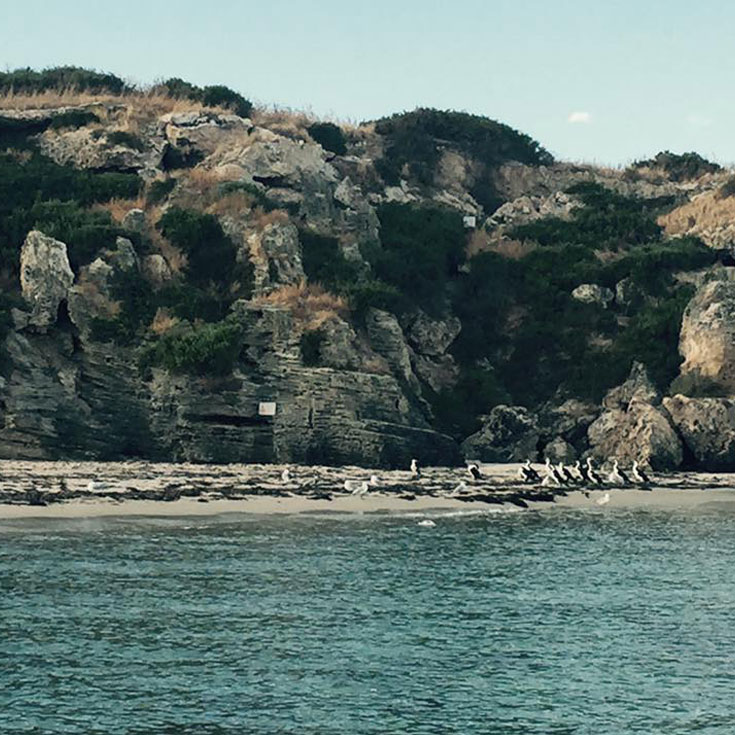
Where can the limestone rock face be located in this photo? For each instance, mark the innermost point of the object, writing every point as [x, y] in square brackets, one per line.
[525, 209]
[558, 450]
[433, 336]
[508, 434]
[634, 426]
[643, 432]
[387, 339]
[638, 387]
[707, 426]
[45, 277]
[568, 420]
[591, 293]
[707, 338]
[440, 373]
[156, 270]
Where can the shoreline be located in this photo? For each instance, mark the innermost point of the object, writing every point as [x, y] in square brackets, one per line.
[40, 490]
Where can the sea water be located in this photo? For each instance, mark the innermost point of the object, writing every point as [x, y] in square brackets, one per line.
[556, 621]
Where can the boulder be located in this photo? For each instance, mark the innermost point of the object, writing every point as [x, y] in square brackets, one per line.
[439, 373]
[627, 293]
[707, 426]
[134, 220]
[433, 336]
[568, 420]
[45, 277]
[637, 387]
[508, 434]
[338, 346]
[707, 337]
[643, 432]
[156, 270]
[591, 293]
[386, 338]
[557, 450]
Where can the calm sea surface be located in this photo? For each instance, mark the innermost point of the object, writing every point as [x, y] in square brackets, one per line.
[529, 622]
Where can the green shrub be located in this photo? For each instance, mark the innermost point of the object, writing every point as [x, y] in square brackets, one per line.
[158, 190]
[457, 410]
[680, 167]
[211, 254]
[416, 139]
[137, 308]
[606, 220]
[422, 248]
[218, 95]
[205, 349]
[311, 346]
[329, 136]
[371, 292]
[324, 263]
[60, 78]
[215, 95]
[727, 189]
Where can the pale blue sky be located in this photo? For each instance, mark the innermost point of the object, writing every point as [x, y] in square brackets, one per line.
[648, 74]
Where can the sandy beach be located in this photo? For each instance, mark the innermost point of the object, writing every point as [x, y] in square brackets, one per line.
[92, 489]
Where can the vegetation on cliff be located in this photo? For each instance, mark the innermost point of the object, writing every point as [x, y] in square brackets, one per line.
[525, 337]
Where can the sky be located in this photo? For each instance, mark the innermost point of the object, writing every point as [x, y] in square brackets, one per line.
[601, 82]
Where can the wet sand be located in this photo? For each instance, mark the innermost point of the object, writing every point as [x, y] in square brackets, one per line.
[89, 489]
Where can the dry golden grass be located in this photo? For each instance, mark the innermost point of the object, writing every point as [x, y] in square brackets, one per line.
[310, 304]
[232, 204]
[118, 208]
[261, 219]
[289, 123]
[153, 102]
[480, 242]
[705, 212]
[162, 322]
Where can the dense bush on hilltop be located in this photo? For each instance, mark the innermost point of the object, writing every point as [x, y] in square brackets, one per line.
[30, 81]
[329, 136]
[679, 167]
[415, 141]
[216, 95]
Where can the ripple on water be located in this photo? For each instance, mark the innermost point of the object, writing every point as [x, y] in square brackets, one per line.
[563, 622]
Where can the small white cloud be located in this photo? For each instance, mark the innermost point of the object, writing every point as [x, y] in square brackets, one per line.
[699, 121]
[580, 117]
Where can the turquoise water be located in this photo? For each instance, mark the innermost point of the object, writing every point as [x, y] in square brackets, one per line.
[530, 622]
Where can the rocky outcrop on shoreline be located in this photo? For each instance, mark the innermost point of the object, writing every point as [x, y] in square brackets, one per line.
[370, 373]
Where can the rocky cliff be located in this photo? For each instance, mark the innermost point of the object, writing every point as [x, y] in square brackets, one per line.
[184, 282]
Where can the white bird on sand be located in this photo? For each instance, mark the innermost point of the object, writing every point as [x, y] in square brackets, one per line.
[604, 500]
[374, 482]
[286, 475]
[428, 523]
[552, 474]
[639, 475]
[459, 488]
[415, 471]
[617, 476]
[356, 487]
